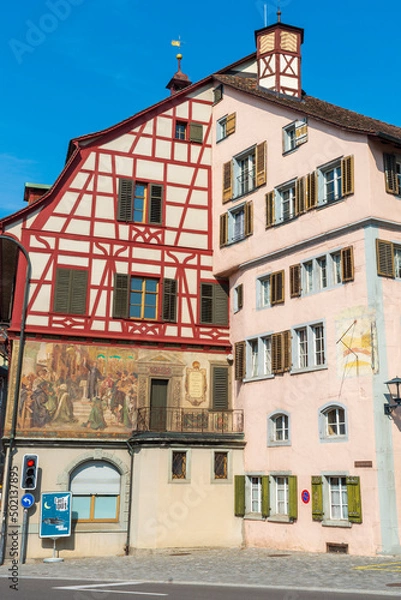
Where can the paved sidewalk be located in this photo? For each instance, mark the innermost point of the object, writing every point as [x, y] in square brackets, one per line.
[250, 566]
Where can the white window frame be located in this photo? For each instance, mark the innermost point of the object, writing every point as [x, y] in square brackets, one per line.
[279, 495]
[272, 429]
[285, 195]
[309, 347]
[325, 434]
[314, 280]
[221, 130]
[253, 494]
[244, 167]
[263, 292]
[330, 175]
[258, 357]
[236, 224]
[236, 306]
[289, 137]
[337, 497]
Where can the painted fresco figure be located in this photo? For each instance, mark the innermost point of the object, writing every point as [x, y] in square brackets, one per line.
[65, 408]
[94, 376]
[96, 419]
[40, 414]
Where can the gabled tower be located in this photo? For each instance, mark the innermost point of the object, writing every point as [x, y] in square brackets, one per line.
[279, 58]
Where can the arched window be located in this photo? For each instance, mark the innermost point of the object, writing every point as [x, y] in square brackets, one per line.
[95, 487]
[279, 429]
[333, 423]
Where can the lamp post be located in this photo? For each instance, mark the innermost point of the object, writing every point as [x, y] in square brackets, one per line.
[394, 393]
[11, 440]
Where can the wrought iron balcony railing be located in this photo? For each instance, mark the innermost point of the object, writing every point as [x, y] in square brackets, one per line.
[189, 420]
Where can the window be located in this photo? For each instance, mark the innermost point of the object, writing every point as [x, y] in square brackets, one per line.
[323, 272]
[283, 497]
[278, 430]
[270, 290]
[294, 135]
[139, 202]
[214, 304]
[256, 496]
[236, 224]
[180, 130]
[263, 356]
[225, 126]
[286, 209]
[70, 291]
[95, 488]
[392, 173]
[253, 358]
[138, 298]
[220, 387]
[217, 94]
[221, 465]
[254, 500]
[245, 172]
[179, 465]
[309, 347]
[336, 180]
[259, 357]
[192, 132]
[238, 297]
[336, 499]
[388, 257]
[332, 423]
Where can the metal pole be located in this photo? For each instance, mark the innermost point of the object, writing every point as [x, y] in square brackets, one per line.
[24, 534]
[11, 441]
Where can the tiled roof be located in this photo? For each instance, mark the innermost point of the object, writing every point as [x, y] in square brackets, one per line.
[313, 107]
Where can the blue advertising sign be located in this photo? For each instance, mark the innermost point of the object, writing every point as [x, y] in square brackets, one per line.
[55, 514]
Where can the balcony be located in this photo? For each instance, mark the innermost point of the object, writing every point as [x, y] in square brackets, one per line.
[189, 420]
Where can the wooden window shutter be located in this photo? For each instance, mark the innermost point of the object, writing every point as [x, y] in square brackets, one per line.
[239, 495]
[120, 304]
[347, 175]
[261, 152]
[125, 199]
[265, 497]
[220, 388]
[286, 335]
[354, 499]
[277, 353]
[223, 229]
[292, 497]
[248, 218]
[311, 190]
[62, 291]
[295, 281]
[301, 132]
[317, 498]
[170, 300]
[277, 288]
[390, 174]
[227, 181]
[155, 203]
[385, 258]
[270, 212]
[239, 360]
[196, 133]
[347, 264]
[240, 295]
[230, 124]
[300, 190]
[206, 299]
[220, 304]
[217, 94]
[79, 286]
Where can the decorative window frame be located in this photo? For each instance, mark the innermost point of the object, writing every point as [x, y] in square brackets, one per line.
[324, 435]
[271, 429]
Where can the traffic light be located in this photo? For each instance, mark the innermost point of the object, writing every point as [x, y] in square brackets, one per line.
[29, 473]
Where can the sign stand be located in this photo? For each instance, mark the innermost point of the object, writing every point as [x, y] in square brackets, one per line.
[54, 558]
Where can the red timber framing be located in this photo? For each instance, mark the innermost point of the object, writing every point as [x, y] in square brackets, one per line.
[75, 226]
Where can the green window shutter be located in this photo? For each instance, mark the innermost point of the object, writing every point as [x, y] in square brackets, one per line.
[347, 175]
[317, 498]
[155, 203]
[261, 156]
[265, 497]
[347, 264]
[196, 133]
[79, 286]
[125, 199]
[354, 499]
[223, 229]
[120, 304]
[62, 291]
[311, 190]
[292, 497]
[270, 212]
[230, 124]
[170, 300]
[220, 304]
[248, 218]
[385, 258]
[227, 181]
[239, 361]
[390, 174]
[220, 388]
[295, 281]
[239, 495]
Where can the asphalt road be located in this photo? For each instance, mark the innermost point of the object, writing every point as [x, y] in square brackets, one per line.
[40, 589]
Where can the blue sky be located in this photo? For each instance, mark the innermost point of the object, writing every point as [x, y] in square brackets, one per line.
[71, 67]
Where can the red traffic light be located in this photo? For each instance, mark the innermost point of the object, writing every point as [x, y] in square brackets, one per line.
[30, 462]
[29, 471]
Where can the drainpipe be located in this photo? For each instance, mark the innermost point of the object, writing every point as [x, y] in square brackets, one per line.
[11, 441]
[131, 474]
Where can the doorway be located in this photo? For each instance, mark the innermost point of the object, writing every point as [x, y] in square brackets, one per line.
[158, 404]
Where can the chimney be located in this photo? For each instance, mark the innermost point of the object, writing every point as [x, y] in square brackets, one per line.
[34, 191]
[278, 49]
[179, 81]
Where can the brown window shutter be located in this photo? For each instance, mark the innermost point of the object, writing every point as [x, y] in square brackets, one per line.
[311, 190]
[155, 203]
[239, 357]
[217, 94]
[248, 218]
[301, 132]
[270, 212]
[227, 181]
[196, 133]
[300, 196]
[286, 350]
[170, 300]
[120, 304]
[261, 152]
[125, 199]
[347, 264]
[277, 288]
[230, 124]
[295, 281]
[390, 174]
[277, 353]
[240, 295]
[347, 175]
[223, 229]
[385, 258]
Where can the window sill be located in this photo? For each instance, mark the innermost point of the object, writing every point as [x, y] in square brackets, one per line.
[274, 444]
[333, 523]
[308, 370]
[280, 519]
[254, 517]
[258, 378]
[335, 439]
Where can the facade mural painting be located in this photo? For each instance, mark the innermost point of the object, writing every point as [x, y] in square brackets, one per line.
[356, 336]
[195, 384]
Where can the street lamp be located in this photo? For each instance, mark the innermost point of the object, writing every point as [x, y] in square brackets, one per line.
[394, 393]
